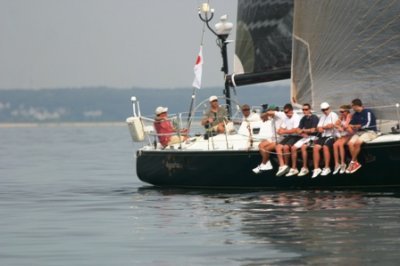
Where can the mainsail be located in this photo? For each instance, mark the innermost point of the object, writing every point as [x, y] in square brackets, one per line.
[347, 49]
[263, 41]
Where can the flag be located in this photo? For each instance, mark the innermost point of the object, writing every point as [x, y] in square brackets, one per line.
[198, 69]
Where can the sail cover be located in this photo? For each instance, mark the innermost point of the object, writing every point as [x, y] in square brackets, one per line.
[263, 40]
[344, 50]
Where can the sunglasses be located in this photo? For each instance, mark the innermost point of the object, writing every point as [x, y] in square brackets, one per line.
[323, 110]
[245, 110]
[306, 109]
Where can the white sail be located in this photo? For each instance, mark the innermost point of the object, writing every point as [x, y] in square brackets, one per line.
[346, 49]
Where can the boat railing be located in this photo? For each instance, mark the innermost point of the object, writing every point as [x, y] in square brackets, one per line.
[192, 122]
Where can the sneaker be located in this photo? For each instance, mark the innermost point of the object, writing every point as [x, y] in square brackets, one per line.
[303, 171]
[263, 167]
[282, 170]
[355, 167]
[348, 170]
[292, 172]
[337, 169]
[326, 171]
[316, 172]
[257, 170]
[266, 167]
[342, 168]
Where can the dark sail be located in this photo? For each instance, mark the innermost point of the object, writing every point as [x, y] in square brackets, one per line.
[263, 41]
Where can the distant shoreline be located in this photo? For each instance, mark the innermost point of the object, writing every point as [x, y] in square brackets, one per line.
[61, 124]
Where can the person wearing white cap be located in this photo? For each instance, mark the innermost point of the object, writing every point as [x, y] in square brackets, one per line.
[326, 130]
[215, 118]
[167, 134]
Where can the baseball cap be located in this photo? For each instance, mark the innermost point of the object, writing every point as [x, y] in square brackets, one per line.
[160, 110]
[324, 105]
[213, 98]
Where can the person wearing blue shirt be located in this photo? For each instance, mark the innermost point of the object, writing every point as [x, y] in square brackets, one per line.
[363, 125]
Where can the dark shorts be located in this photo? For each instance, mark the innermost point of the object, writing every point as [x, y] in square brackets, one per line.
[290, 140]
[325, 141]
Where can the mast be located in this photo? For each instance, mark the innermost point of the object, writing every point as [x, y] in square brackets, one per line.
[222, 30]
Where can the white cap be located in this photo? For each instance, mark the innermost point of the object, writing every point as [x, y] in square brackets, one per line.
[160, 110]
[213, 98]
[324, 105]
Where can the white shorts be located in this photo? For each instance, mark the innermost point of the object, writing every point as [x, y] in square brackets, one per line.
[305, 140]
[363, 136]
[176, 139]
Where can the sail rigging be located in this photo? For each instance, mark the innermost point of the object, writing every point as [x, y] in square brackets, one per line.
[346, 49]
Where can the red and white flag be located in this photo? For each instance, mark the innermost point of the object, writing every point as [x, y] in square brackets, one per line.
[198, 69]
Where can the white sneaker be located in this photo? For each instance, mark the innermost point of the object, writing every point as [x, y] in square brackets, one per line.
[263, 167]
[257, 170]
[343, 168]
[303, 171]
[316, 172]
[266, 167]
[282, 170]
[337, 169]
[325, 171]
[292, 172]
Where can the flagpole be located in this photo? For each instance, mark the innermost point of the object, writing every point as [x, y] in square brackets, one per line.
[197, 78]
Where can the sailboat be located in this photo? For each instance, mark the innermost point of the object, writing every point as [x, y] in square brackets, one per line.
[331, 51]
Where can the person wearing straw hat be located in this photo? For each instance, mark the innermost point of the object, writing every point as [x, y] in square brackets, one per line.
[167, 134]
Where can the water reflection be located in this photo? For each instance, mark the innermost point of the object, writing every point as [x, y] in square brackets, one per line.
[303, 227]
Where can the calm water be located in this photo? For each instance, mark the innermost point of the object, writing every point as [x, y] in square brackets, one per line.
[69, 196]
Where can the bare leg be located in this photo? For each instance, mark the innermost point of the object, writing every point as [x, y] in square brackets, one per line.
[342, 151]
[286, 150]
[351, 149]
[264, 151]
[304, 155]
[327, 156]
[336, 151]
[270, 148]
[294, 157]
[356, 150]
[279, 148]
[316, 155]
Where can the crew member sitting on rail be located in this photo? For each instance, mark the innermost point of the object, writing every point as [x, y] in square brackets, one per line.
[363, 123]
[288, 129]
[307, 130]
[267, 145]
[326, 129]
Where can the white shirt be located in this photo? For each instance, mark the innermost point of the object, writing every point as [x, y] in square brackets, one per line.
[289, 123]
[253, 120]
[253, 117]
[269, 128]
[324, 120]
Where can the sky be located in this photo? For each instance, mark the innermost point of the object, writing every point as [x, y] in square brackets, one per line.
[112, 43]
